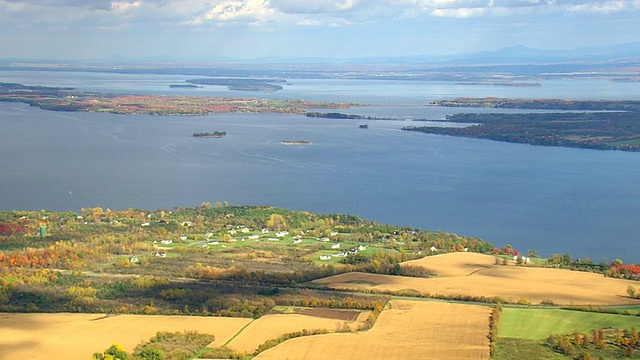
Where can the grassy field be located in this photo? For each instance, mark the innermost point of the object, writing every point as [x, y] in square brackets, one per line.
[472, 274]
[407, 330]
[519, 349]
[523, 333]
[536, 324]
[78, 336]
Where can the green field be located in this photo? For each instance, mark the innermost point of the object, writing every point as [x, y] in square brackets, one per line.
[523, 333]
[536, 324]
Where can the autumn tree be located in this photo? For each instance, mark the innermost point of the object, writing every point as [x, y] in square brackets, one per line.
[277, 222]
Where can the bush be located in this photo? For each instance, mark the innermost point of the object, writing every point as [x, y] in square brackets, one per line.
[173, 346]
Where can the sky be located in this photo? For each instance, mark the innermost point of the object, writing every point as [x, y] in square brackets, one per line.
[213, 30]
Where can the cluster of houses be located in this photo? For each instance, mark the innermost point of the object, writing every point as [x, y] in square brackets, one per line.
[343, 253]
[525, 259]
[244, 230]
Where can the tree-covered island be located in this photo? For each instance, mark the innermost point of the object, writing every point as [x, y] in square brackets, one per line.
[215, 134]
[605, 125]
[63, 99]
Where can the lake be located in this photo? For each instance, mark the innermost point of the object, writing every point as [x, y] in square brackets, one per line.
[584, 202]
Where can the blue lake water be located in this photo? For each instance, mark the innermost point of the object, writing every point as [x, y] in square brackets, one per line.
[584, 202]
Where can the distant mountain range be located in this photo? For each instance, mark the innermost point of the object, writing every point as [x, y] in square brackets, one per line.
[526, 55]
[613, 62]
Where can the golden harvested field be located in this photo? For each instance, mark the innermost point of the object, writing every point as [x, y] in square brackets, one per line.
[274, 325]
[472, 274]
[408, 330]
[78, 336]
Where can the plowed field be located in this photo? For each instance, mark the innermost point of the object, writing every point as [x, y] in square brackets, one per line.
[408, 330]
[274, 325]
[470, 274]
[78, 336]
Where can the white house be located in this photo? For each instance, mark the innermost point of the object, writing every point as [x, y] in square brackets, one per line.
[166, 242]
[335, 246]
[325, 257]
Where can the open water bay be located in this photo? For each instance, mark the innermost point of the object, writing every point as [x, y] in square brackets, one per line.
[584, 202]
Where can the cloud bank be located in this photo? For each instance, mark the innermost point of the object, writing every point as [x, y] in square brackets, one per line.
[369, 27]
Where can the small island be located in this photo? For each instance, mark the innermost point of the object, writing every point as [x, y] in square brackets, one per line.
[215, 134]
[184, 86]
[296, 142]
[242, 84]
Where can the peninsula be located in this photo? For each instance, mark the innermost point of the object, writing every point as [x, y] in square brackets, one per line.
[253, 277]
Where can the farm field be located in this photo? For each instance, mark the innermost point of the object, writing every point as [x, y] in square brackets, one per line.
[536, 324]
[78, 336]
[272, 326]
[536, 333]
[407, 330]
[472, 274]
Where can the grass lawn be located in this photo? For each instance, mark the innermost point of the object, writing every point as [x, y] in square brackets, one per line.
[537, 324]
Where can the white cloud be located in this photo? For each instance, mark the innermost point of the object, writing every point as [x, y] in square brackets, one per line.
[317, 6]
[604, 7]
[459, 12]
[123, 6]
[288, 12]
[247, 11]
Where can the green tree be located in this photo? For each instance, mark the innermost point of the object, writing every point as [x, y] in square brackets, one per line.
[116, 352]
[151, 353]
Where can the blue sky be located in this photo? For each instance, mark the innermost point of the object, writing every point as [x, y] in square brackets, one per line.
[212, 30]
